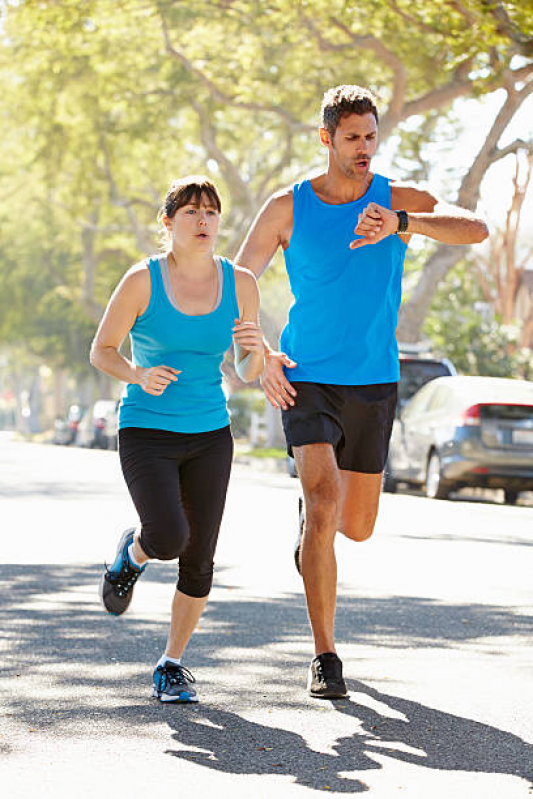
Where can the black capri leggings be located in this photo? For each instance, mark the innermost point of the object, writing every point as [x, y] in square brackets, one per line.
[178, 483]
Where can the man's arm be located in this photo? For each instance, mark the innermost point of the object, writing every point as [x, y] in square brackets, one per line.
[247, 335]
[427, 216]
[268, 232]
[271, 228]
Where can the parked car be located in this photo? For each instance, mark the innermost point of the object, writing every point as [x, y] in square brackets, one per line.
[418, 366]
[111, 425]
[74, 416]
[92, 428]
[466, 431]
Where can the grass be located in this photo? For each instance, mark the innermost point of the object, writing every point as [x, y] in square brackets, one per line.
[272, 452]
[243, 448]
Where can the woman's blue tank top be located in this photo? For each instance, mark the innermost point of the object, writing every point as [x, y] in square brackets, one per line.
[164, 335]
[342, 325]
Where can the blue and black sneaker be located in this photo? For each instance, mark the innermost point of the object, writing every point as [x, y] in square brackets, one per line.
[174, 683]
[116, 588]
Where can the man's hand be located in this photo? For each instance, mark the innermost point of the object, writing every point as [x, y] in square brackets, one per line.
[278, 391]
[155, 379]
[374, 224]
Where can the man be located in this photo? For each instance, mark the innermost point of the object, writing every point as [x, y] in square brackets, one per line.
[336, 376]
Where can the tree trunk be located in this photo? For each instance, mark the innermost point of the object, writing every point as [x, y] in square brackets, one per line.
[414, 312]
[60, 402]
[89, 265]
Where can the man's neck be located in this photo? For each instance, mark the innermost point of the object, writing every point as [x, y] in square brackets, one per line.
[335, 188]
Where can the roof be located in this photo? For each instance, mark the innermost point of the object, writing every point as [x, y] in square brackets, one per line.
[489, 389]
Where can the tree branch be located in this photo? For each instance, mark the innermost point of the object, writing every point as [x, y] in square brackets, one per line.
[514, 147]
[239, 188]
[485, 286]
[284, 161]
[223, 97]
[506, 27]
[415, 21]
[464, 12]
[138, 229]
[469, 190]
[375, 45]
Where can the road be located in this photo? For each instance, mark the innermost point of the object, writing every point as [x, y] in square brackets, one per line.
[434, 627]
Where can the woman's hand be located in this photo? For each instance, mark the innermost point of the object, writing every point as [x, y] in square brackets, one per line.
[248, 335]
[155, 379]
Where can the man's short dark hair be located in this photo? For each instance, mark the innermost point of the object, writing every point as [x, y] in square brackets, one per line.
[341, 101]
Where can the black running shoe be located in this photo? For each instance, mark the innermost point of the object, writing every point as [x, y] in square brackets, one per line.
[116, 587]
[325, 679]
[174, 683]
[298, 544]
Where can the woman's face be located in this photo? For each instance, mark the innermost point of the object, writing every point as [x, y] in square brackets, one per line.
[194, 226]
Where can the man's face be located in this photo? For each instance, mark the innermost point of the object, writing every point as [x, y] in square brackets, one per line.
[353, 144]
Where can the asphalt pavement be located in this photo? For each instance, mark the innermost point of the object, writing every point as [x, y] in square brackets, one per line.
[434, 627]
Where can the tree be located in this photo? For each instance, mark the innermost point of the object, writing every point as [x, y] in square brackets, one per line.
[112, 100]
[462, 326]
[503, 271]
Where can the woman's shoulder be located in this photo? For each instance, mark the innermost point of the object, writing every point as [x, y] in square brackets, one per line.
[244, 277]
[136, 280]
[140, 272]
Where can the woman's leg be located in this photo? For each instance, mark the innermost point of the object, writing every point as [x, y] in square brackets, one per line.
[204, 480]
[150, 462]
[186, 611]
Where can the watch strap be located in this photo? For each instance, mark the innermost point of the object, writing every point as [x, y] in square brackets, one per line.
[403, 221]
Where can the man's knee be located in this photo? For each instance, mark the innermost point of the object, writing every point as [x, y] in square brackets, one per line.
[358, 529]
[321, 509]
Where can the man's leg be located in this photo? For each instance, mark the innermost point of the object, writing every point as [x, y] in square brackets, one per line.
[319, 475]
[360, 495]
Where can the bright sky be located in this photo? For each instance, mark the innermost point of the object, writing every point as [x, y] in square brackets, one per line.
[452, 157]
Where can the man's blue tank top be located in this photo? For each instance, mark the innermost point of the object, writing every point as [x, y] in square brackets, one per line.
[163, 335]
[342, 325]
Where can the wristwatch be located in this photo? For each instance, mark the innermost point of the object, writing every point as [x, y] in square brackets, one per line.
[403, 221]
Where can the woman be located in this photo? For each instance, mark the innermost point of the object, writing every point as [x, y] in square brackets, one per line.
[182, 311]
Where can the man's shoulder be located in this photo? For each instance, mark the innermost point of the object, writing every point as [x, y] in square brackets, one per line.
[283, 199]
[279, 205]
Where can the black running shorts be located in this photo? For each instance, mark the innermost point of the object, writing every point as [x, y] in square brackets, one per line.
[355, 420]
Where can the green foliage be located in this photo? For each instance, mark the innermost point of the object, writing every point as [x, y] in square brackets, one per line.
[103, 104]
[462, 327]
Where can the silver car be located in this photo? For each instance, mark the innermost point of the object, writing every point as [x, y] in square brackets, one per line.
[466, 431]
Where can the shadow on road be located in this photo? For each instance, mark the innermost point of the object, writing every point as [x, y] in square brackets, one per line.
[67, 666]
[423, 736]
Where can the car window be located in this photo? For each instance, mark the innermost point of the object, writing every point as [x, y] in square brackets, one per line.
[416, 373]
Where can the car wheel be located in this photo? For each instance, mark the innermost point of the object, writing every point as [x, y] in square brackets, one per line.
[436, 487]
[510, 497]
[389, 484]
